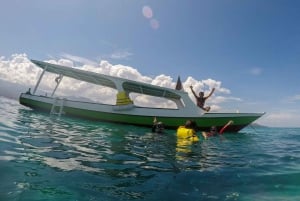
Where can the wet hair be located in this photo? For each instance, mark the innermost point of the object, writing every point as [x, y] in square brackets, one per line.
[190, 124]
[213, 129]
[158, 127]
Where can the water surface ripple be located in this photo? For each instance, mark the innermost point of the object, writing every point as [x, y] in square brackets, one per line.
[43, 158]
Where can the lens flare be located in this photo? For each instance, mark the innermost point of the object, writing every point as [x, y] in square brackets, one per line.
[147, 12]
[154, 23]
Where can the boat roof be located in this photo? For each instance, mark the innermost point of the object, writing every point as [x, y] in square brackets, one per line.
[110, 81]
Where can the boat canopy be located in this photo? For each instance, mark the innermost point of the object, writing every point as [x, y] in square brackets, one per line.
[118, 83]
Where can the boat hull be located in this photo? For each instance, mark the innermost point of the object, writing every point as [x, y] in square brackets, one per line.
[139, 116]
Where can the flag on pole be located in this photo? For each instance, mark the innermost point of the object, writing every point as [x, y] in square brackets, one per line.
[179, 84]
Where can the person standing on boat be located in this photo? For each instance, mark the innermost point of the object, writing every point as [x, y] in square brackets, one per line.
[201, 98]
[214, 131]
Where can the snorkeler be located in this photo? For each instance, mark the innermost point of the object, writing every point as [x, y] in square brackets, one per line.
[214, 131]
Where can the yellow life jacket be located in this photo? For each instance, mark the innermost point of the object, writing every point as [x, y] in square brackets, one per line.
[187, 134]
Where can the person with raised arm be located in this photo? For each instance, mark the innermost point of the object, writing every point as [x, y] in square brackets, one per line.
[201, 98]
[214, 131]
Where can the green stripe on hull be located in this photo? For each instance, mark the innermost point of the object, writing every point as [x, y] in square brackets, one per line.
[204, 123]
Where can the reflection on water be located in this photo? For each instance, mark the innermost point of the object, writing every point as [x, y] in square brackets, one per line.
[126, 157]
[45, 158]
[69, 144]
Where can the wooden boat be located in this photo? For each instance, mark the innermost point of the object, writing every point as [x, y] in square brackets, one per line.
[124, 110]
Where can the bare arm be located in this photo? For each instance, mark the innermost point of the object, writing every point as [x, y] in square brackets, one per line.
[193, 91]
[212, 91]
[204, 135]
[224, 127]
[154, 125]
[154, 120]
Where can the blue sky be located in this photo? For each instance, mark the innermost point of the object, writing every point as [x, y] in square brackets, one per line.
[252, 47]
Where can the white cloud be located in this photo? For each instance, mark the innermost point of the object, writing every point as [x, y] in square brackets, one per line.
[121, 54]
[163, 81]
[256, 71]
[205, 85]
[281, 118]
[81, 60]
[18, 69]
[17, 73]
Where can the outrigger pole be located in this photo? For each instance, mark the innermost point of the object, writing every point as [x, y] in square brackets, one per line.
[57, 80]
[39, 80]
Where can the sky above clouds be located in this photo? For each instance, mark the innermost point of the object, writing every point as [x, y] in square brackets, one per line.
[249, 50]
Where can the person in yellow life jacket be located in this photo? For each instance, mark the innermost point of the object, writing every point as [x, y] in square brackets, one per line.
[214, 131]
[188, 131]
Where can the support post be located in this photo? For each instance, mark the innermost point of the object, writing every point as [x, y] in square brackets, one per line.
[57, 80]
[39, 80]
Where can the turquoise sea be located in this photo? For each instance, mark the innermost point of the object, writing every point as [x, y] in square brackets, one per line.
[43, 158]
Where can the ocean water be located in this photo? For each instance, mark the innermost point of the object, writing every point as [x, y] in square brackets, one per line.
[43, 158]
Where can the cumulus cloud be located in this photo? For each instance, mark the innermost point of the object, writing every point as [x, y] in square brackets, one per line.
[204, 85]
[256, 71]
[17, 74]
[19, 70]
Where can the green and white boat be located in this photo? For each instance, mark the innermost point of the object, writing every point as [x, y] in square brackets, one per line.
[124, 110]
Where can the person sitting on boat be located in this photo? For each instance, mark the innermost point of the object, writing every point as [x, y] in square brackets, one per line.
[214, 131]
[201, 98]
[157, 127]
